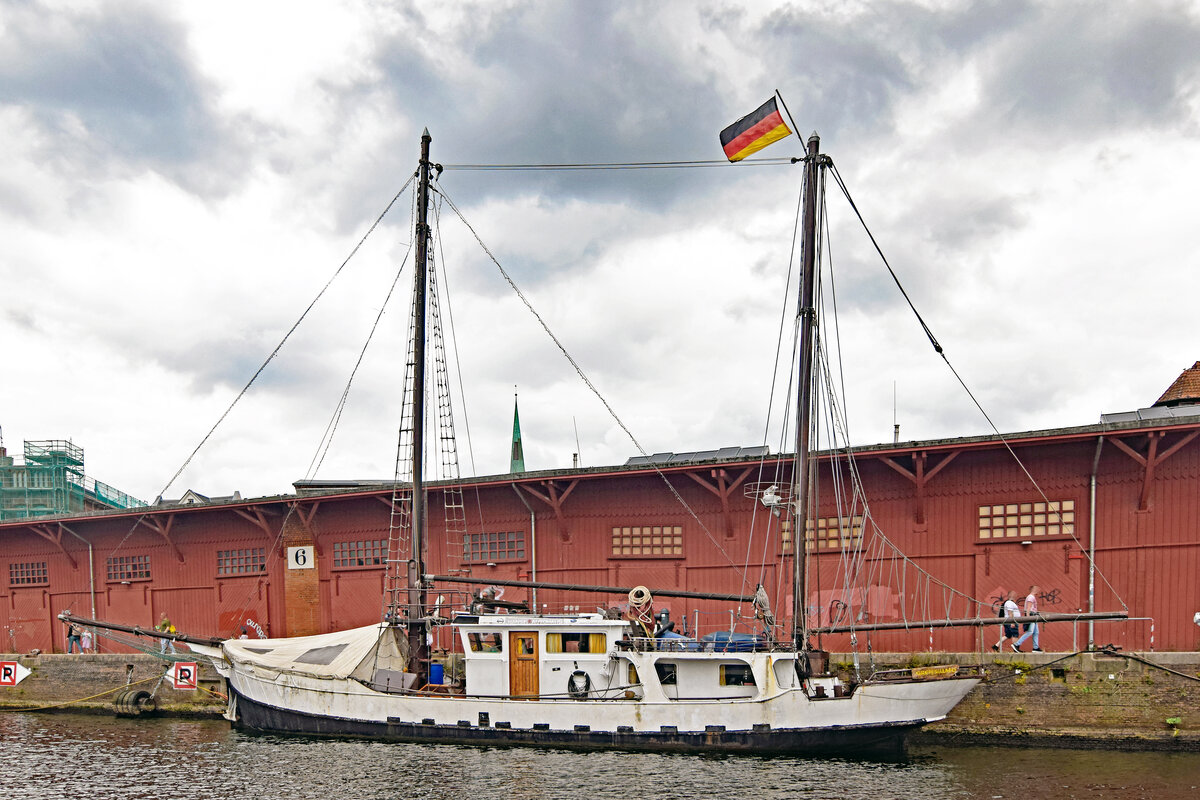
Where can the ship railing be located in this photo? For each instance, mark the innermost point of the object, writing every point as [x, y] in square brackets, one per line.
[751, 644]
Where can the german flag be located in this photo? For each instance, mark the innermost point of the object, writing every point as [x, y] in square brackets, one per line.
[754, 131]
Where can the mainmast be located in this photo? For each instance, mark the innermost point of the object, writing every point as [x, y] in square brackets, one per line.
[802, 473]
[417, 626]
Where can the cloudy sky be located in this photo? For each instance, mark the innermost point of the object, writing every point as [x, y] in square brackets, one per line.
[181, 179]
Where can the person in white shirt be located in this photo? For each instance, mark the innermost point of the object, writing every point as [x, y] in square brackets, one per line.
[1031, 628]
[1010, 628]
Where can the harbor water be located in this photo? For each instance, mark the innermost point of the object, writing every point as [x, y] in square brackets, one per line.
[68, 756]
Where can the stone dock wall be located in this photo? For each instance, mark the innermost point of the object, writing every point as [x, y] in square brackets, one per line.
[96, 683]
[1037, 699]
[1057, 700]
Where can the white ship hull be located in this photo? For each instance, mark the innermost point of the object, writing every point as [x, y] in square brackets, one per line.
[777, 713]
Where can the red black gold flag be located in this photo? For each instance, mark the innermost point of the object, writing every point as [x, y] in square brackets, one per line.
[754, 131]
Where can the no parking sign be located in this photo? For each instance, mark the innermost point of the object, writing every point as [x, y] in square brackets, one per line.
[184, 674]
[13, 672]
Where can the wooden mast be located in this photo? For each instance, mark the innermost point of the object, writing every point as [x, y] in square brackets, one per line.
[804, 401]
[418, 649]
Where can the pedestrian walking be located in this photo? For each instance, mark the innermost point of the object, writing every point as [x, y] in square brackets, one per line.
[165, 626]
[1009, 631]
[1031, 628]
[73, 631]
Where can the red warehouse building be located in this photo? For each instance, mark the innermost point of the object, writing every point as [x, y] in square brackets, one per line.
[962, 509]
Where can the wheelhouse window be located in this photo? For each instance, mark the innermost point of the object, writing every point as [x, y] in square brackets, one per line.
[667, 672]
[485, 642]
[736, 675]
[501, 546]
[1024, 521]
[129, 568]
[362, 553]
[249, 561]
[654, 541]
[576, 643]
[30, 573]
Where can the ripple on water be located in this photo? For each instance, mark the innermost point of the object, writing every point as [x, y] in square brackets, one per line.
[67, 756]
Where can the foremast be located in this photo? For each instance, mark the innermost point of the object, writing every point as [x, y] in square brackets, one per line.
[417, 624]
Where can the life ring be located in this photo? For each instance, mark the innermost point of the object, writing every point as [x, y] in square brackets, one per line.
[579, 684]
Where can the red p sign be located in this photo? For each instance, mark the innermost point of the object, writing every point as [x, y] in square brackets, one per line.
[184, 675]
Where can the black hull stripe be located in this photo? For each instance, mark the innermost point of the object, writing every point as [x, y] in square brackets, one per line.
[883, 739]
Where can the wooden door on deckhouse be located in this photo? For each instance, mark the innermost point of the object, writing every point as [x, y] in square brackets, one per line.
[523, 664]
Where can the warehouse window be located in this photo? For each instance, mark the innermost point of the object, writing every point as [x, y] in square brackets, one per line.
[241, 562]
[825, 533]
[28, 574]
[785, 535]
[128, 568]
[662, 541]
[503, 546]
[367, 553]
[1025, 521]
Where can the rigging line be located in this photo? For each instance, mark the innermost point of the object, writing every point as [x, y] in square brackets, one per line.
[938, 348]
[327, 438]
[839, 421]
[462, 392]
[275, 352]
[781, 446]
[437, 223]
[782, 161]
[787, 289]
[291, 330]
[837, 176]
[787, 435]
[331, 428]
[788, 395]
[587, 382]
[1032, 480]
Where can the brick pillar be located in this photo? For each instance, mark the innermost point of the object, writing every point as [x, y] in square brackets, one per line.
[301, 587]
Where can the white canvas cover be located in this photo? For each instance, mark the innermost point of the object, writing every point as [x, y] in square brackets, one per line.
[357, 652]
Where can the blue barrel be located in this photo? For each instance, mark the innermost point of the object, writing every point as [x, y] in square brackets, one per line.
[436, 673]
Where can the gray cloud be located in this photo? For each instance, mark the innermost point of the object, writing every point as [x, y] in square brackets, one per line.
[23, 319]
[116, 91]
[1091, 71]
[103, 103]
[560, 83]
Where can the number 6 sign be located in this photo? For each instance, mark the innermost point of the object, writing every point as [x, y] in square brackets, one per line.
[300, 558]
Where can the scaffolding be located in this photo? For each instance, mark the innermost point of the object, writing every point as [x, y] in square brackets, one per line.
[50, 480]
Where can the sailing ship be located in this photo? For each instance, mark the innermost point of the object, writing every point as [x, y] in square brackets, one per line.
[578, 680]
[581, 680]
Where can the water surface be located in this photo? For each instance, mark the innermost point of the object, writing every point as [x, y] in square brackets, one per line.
[71, 756]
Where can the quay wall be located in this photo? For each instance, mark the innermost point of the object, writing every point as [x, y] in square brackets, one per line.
[1106, 700]
[1097, 699]
[96, 682]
